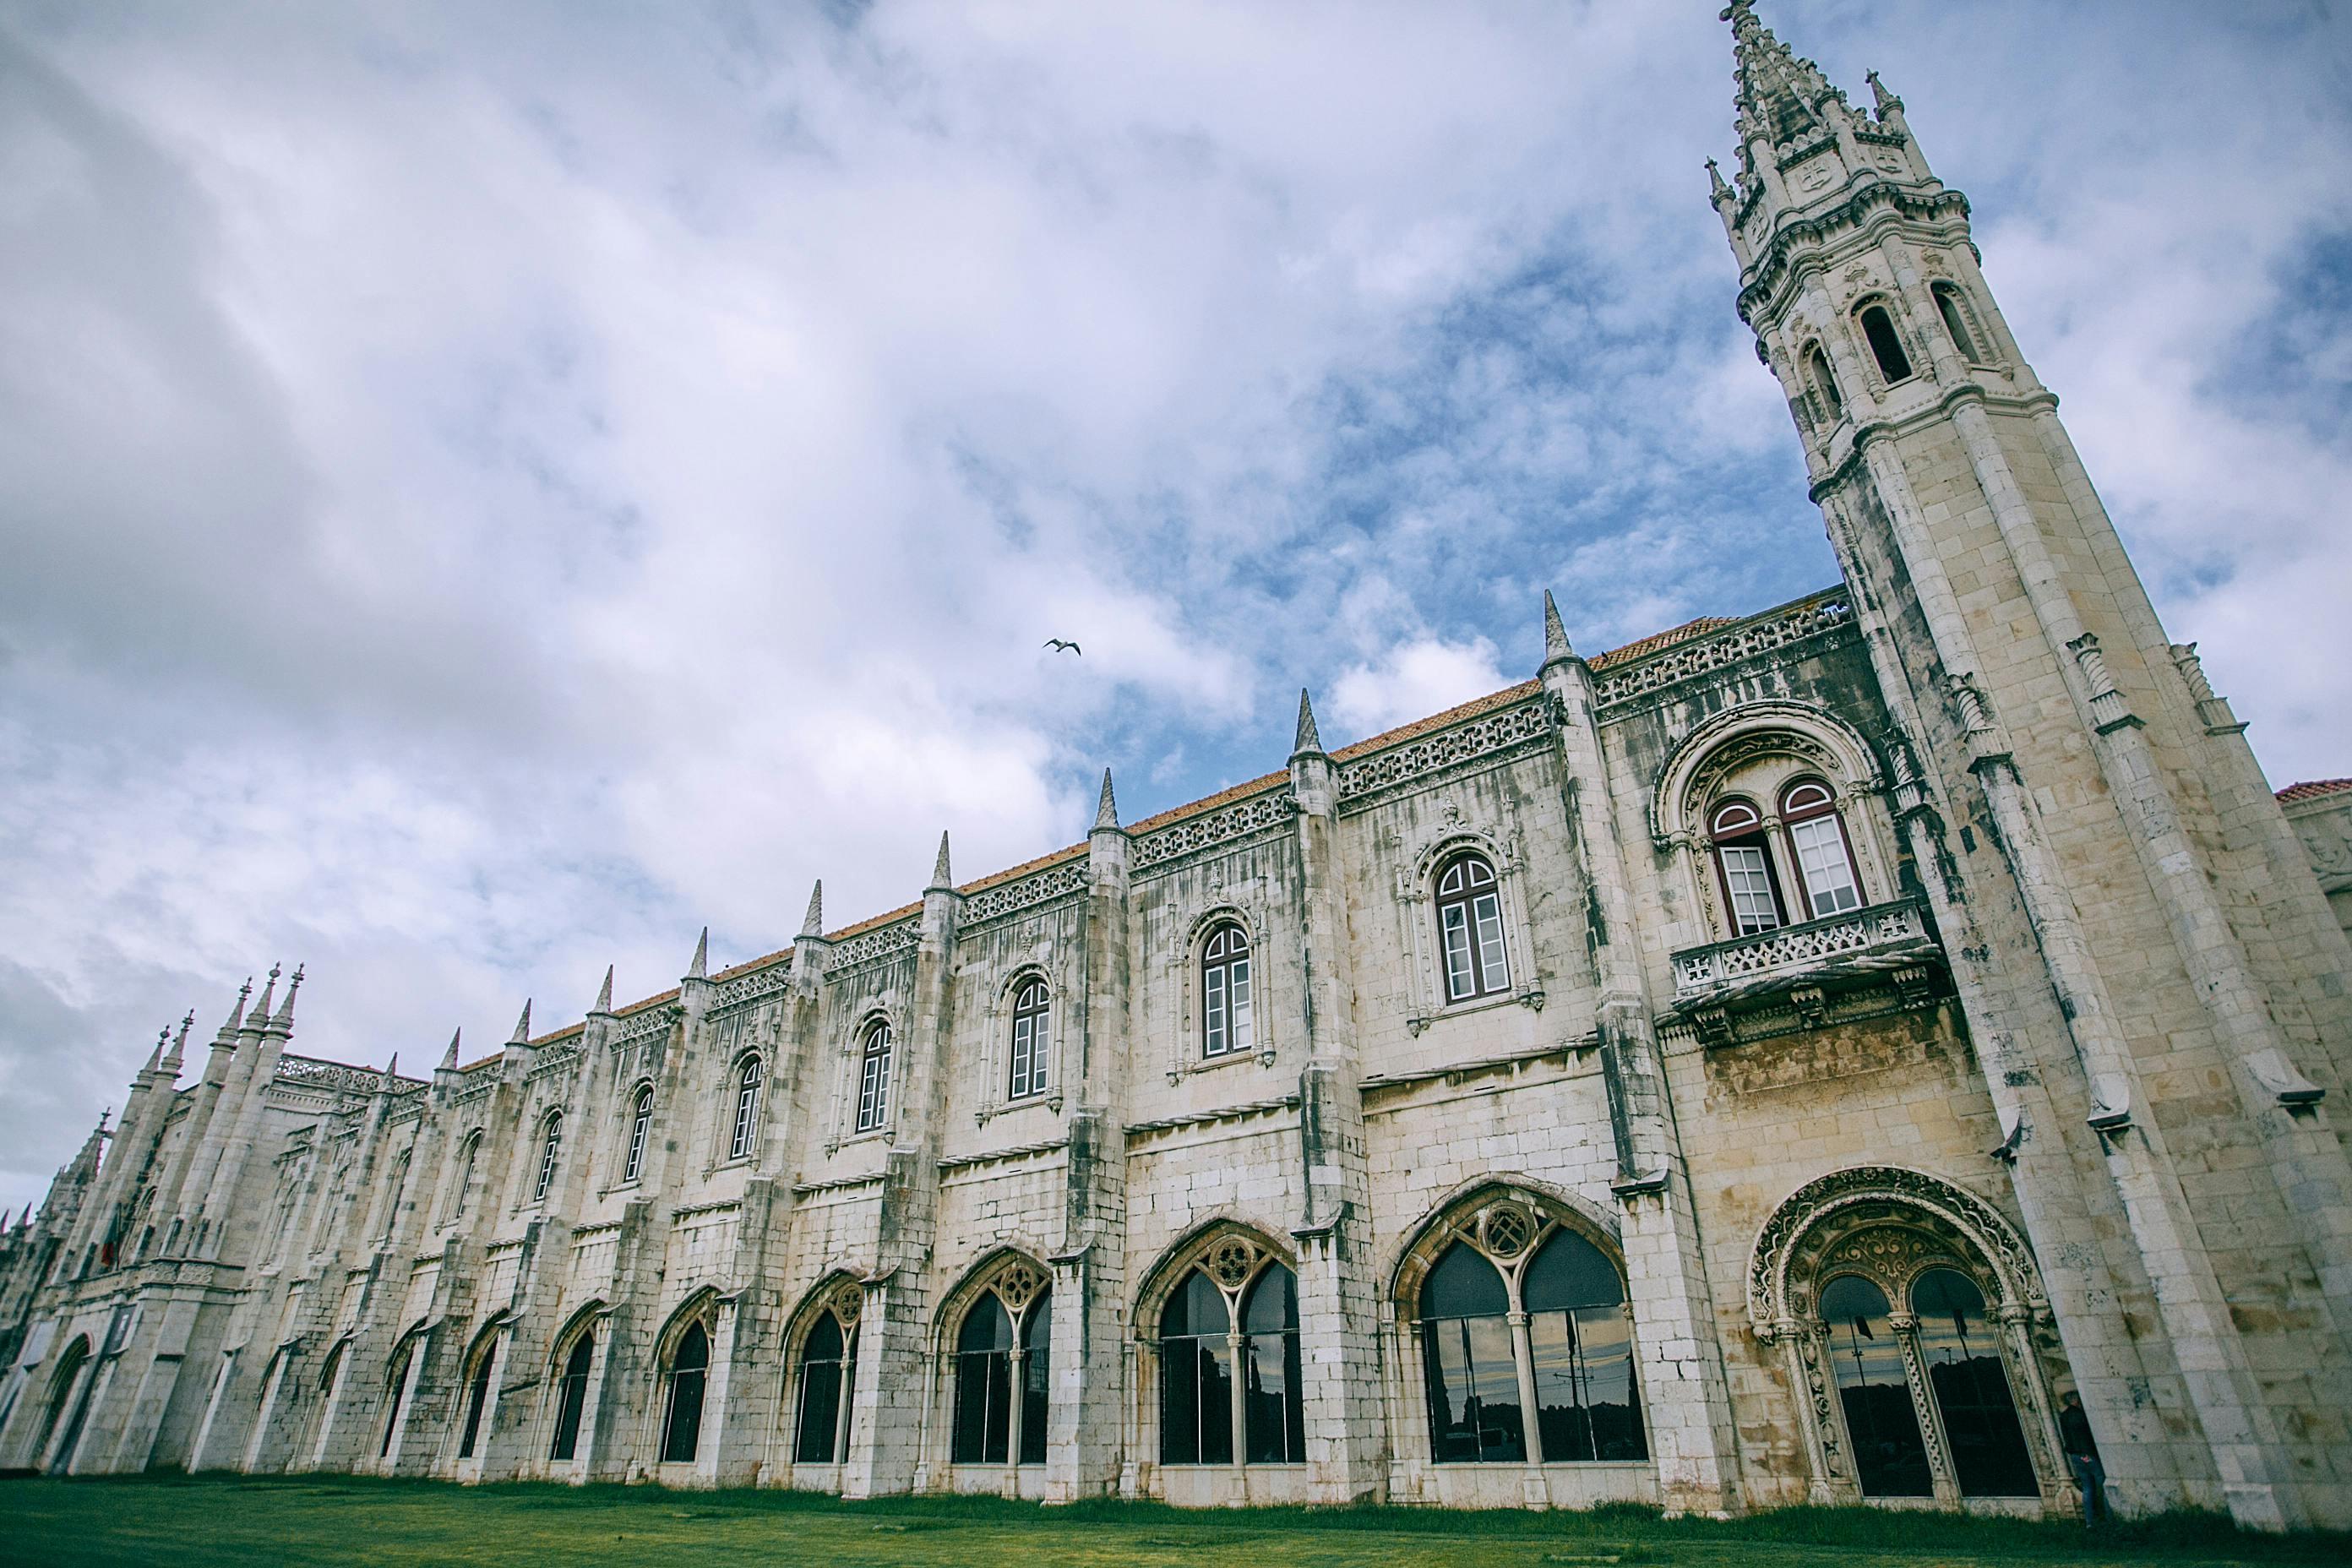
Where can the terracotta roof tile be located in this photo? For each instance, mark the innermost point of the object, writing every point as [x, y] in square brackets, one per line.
[2314, 789]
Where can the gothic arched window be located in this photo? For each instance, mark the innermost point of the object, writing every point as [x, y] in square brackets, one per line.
[1956, 323]
[1031, 1016]
[1196, 1376]
[571, 1397]
[689, 1368]
[1003, 1373]
[828, 1371]
[396, 1394]
[1470, 925]
[1235, 1285]
[1228, 1022]
[1587, 1404]
[1889, 1456]
[477, 1395]
[641, 1121]
[1817, 839]
[874, 1077]
[1751, 889]
[61, 1384]
[1971, 1386]
[1826, 387]
[1274, 1400]
[1472, 1369]
[399, 1189]
[550, 1145]
[1886, 345]
[747, 1109]
[462, 1187]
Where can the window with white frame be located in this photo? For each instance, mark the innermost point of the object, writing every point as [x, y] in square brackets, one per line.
[874, 1077]
[1817, 839]
[1228, 1025]
[641, 1121]
[1032, 1018]
[1751, 889]
[550, 1144]
[747, 1109]
[1470, 924]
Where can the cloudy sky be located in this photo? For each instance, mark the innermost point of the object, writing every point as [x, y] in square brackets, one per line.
[487, 489]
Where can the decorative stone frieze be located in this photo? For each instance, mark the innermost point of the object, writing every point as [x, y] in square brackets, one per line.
[1214, 829]
[1773, 633]
[1488, 737]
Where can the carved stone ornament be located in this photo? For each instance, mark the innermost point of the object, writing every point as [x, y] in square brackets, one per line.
[1507, 1228]
[1231, 1261]
[847, 1302]
[1473, 740]
[1017, 1287]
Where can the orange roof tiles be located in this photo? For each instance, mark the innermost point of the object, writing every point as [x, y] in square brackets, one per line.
[2313, 789]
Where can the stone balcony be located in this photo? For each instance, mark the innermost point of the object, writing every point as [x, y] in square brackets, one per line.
[1860, 964]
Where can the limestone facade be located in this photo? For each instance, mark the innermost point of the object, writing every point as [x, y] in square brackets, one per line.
[1773, 1061]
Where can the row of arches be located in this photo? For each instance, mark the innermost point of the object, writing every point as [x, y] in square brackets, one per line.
[1890, 356]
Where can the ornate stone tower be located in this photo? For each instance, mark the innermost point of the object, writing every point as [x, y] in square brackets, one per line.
[2155, 993]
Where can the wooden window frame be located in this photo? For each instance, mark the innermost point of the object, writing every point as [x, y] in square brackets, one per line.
[1466, 896]
[876, 1047]
[750, 1079]
[550, 1146]
[641, 1121]
[1227, 1031]
[1792, 816]
[1025, 1049]
[1758, 837]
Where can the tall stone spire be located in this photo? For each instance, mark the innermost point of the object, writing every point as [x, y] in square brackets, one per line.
[155, 1056]
[284, 1021]
[522, 1035]
[1306, 740]
[813, 922]
[941, 878]
[236, 1019]
[1107, 808]
[1556, 646]
[178, 1053]
[604, 992]
[259, 1015]
[1778, 93]
[701, 968]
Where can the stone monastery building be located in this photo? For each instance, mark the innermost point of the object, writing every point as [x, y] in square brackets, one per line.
[1770, 1062]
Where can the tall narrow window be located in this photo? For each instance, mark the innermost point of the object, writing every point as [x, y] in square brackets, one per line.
[873, 1079]
[641, 1121]
[1196, 1379]
[1037, 1377]
[463, 1185]
[1273, 1422]
[395, 1396]
[399, 1190]
[1826, 387]
[1889, 1458]
[550, 1146]
[1751, 888]
[682, 1421]
[1878, 328]
[747, 1110]
[1971, 1387]
[827, 1356]
[983, 1392]
[1587, 1407]
[1466, 1356]
[572, 1399]
[1956, 321]
[1227, 1024]
[1032, 1013]
[1817, 835]
[1470, 921]
[477, 1397]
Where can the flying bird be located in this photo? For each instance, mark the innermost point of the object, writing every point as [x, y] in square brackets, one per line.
[1059, 646]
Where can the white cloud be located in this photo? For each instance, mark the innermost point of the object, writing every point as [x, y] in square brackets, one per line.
[1410, 681]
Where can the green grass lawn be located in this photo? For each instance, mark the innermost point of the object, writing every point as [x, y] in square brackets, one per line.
[253, 1522]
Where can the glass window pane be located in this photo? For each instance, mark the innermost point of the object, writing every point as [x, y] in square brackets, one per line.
[1244, 1031]
[1570, 1271]
[1216, 1402]
[572, 1399]
[1037, 1342]
[1751, 887]
[1458, 981]
[1180, 1402]
[1463, 1285]
[1829, 877]
[1971, 1386]
[1494, 970]
[1215, 1015]
[1890, 1459]
[820, 1410]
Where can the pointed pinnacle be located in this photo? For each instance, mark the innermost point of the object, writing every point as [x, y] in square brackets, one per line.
[237, 1014]
[285, 1013]
[521, 1037]
[392, 1070]
[812, 924]
[1306, 739]
[701, 968]
[1556, 646]
[1107, 808]
[173, 1058]
[258, 1014]
[155, 1056]
[1715, 187]
[449, 1058]
[941, 876]
[604, 992]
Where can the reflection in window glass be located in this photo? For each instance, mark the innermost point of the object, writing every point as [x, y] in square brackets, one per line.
[1971, 1386]
[1467, 1357]
[1196, 1385]
[1890, 1459]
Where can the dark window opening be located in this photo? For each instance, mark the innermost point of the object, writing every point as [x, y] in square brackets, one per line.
[1971, 1386]
[1947, 305]
[1196, 1380]
[1468, 1361]
[1889, 1457]
[682, 1426]
[572, 1399]
[1274, 1400]
[1470, 924]
[478, 1398]
[826, 1357]
[1884, 345]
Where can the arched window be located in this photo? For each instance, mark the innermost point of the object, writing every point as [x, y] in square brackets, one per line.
[61, 1387]
[1885, 346]
[828, 1371]
[641, 1121]
[1817, 837]
[550, 1144]
[1196, 1376]
[1470, 924]
[873, 1079]
[1890, 1458]
[995, 1366]
[396, 1394]
[477, 1395]
[1227, 1022]
[399, 1189]
[689, 1366]
[1826, 387]
[1274, 1400]
[1587, 1407]
[1032, 1013]
[463, 1184]
[1751, 889]
[1971, 1387]
[747, 1109]
[571, 1398]
[1956, 321]
[1473, 1374]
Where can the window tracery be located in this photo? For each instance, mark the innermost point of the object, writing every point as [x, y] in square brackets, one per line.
[1231, 1384]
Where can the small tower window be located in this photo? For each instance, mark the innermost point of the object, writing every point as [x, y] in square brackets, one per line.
[1227, 1017]
[549, 1148]
[1826, 387]
[641, 1121]
[1032, 1014]
[1956, 322]
[1887, 348]
[873, 1079]
[747, 1110]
